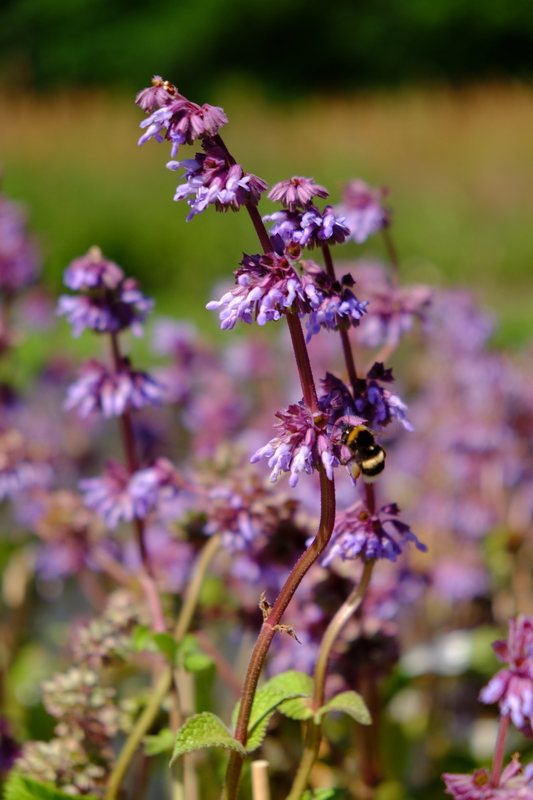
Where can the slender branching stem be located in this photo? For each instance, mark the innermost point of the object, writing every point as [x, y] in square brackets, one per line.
[345, 336]
[499, 750]
[164, 683]
[314, 731]
[392, 255]
[128, 442]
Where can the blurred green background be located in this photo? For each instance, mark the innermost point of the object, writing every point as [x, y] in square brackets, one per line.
[429, 97]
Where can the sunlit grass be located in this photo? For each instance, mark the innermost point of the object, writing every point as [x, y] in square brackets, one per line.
[459, 166]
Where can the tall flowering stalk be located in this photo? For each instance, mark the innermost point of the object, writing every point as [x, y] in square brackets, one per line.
[269, 286]
[110, 303]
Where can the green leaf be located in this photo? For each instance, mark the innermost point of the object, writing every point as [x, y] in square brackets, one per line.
[292, 682]
[204, 730]
[19, 788]
[323, 794]
[282, 687]
[349, 702]
[160, 743]
[166, 643]
[141, 638]
[258, 733]
[191, 656]
[298, 708]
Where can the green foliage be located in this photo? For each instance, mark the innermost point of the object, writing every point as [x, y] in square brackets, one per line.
[204, 730]
[19, 788]
[162, 742]
[187, 653]
[350, 703]
[53, 43]
[191, 656]
[323, 794]
[298, 708]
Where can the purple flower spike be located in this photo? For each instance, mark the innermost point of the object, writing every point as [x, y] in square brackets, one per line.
[340, 309]
[110, 303]
[92, 271]
[117, 495]
[211, 179]
[362, 209]
[310, 228]
[266, 287]
[360, 534]
[301, 445]
[19, 261]
[512, 688]
[296, 193]
[379, 406]
[183, 120]
[109, 495]
[515, 784]
[101, 389]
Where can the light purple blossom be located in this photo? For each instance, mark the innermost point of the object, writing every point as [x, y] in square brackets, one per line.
[267, 286]
[512, 688]
[456, 580]
[339, 308]
[392, 309]
[362, 209]
[212, 179]
[379, 406]
[310, 228]
[515, 784]
[24, 464]
[19, 260]
[300, 446]
[92, 271]
[359, 534]
[99, 388]
[110, 312]
[118, 495]
[296, 193]
[180, 119]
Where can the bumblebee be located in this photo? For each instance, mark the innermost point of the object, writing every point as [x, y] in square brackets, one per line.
[368, 457]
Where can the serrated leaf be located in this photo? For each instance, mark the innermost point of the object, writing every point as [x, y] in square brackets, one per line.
[275, 691]
[258, 733]
[350, 703]
[204, 730]
[323, 794]
[292, 682]
[166, 643]
[297, 708]
[18, 787]
[160, 743]
[191, 656]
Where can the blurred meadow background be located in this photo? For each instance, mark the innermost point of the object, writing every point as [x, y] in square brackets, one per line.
[432, 100]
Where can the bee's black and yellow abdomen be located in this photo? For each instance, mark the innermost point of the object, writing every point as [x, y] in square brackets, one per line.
[368, 457]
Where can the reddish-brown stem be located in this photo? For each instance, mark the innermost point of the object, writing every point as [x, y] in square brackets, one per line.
[392, 254]
[345, 337]
[370, 496]
[128, 443]
[295, 327]
[306, 560]
[499, 750]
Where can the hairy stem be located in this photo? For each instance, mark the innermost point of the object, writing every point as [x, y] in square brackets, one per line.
[145, 721]
[314, 731]
[499, 750]
[267, 632]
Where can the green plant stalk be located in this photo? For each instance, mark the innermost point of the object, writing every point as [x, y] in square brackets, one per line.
[314, 730]
[164, 683]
